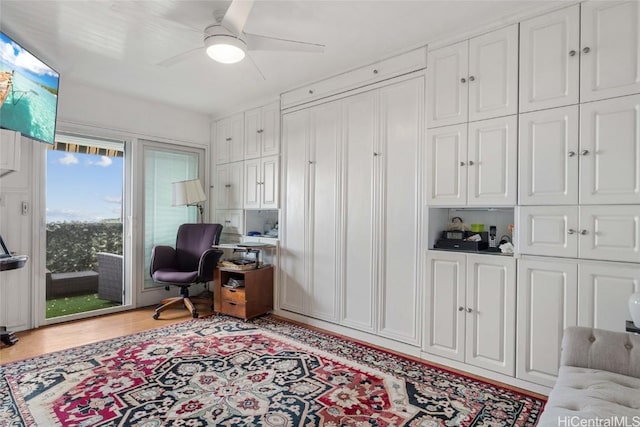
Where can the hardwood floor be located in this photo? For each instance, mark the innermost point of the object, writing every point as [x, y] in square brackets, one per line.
[61, 336]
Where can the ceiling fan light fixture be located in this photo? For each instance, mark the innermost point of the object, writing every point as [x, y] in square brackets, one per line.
[225, 49]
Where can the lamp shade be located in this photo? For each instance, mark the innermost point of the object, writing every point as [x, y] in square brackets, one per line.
[188, 192]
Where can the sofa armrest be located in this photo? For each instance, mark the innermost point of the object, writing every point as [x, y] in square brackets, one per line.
[592, 348]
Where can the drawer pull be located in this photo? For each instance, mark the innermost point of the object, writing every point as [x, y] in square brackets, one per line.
[231, 303]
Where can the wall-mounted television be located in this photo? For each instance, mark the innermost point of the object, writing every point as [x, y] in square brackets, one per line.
[28, 92]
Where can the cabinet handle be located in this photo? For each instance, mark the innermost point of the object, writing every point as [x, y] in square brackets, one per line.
[584, 232]
[375, 71]
[572, 153]
[227, 222]
[584, 152]
[260, 130]
[461, 308]
[586, 49]
[469, 310]
[461, 163]
[228, 186]
[228, 139]
[311, 162]
[572, 53]
[463, 80]
[231, 303]
[310, 92]
[471, 78]
[470, 162]
[377, 154]
[571, 231]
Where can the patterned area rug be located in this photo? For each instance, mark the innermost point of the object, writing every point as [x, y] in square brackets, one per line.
[223, 372]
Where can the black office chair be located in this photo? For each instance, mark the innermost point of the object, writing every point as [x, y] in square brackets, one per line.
[192, 261]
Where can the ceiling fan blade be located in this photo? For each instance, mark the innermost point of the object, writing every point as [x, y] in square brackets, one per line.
[179, 57]
[237, 15]
[257, 42]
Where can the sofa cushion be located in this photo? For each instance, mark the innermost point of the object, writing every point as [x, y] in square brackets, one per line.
[590, 393]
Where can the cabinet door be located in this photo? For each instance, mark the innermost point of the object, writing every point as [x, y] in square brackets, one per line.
[222, 186]
[491, 313]
[444, 320]
[223, 141]
[547, 157]
[252, 184]
[235, 180]
[269, 167]
[324, 211]
[293, 292]
[446, 166]
[547, 304]
[447, 85]
[603, 294]
[492, 165]
[610, 57]
[549, 230]
[401, 124]
[231, 221]
[270, 130]
[360, 136]
[236, 146]
[610, 151]
[549, 60]
[610, 233]
[10, 150]
[252, 133]
[493, 74]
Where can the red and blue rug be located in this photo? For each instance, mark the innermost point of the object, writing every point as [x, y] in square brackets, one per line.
[224, 372]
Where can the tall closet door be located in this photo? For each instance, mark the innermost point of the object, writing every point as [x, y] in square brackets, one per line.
[324, 166]
[293, 236]
[359, 139]
[401, 124]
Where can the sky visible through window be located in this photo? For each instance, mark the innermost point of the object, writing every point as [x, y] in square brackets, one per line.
[83, 187]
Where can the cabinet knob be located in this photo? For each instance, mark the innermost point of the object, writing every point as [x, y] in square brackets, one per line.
[310, 91]
[469, 310]
[470, 162]
[586, 49]
[471, 78]
[572, 53]
[228, 139]
[572, 153]
[463, 80]
[584, 152]
[260, 130]
[377, 154]
[584, 232]
[461, 308]
[375, 71]
[461, 163]
[311, 162]
[227, 185]
[571, 231]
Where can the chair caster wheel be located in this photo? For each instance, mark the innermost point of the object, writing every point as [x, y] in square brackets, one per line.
[195, 315]
[156, 316]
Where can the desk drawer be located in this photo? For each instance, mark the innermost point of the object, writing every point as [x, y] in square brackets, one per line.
[234, 295]
[233, 309]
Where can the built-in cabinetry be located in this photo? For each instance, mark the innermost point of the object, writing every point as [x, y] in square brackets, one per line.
[473, 80]
[262, 131]
[228, 185]
[350, 234]
[261, 182]
[470, 309]
[9, 151]
[229, 139]
[554, 294]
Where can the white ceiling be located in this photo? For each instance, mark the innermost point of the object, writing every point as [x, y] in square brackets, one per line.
[116, 45]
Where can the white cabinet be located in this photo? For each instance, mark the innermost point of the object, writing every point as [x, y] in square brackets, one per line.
[9, 151]
[228, 186]
[610, 55]
[261, 177]
[590, 232]
[550, 60]
[548, 157]
[610, 151]
[470, 309]
[547, 304]
[309, 233]
[478, 169]
[603, 294]
[262, 131]
[229, 139]
[231, 220]
[473, 80]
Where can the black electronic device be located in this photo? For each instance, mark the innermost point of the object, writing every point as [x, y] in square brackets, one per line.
[458, 240]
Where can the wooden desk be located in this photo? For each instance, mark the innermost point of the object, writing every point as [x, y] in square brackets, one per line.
[254, 299]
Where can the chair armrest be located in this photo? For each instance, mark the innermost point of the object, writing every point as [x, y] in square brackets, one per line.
[161, 256]
[208, 263]
[592, 348]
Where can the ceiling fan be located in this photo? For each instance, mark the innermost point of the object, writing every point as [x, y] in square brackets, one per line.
[226, 42]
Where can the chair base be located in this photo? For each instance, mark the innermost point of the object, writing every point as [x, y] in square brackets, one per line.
[183, 299]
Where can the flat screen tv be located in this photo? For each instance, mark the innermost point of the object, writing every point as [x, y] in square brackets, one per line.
[28, 92]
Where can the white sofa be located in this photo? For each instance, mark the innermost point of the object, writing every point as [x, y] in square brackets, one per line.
[599, 379]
